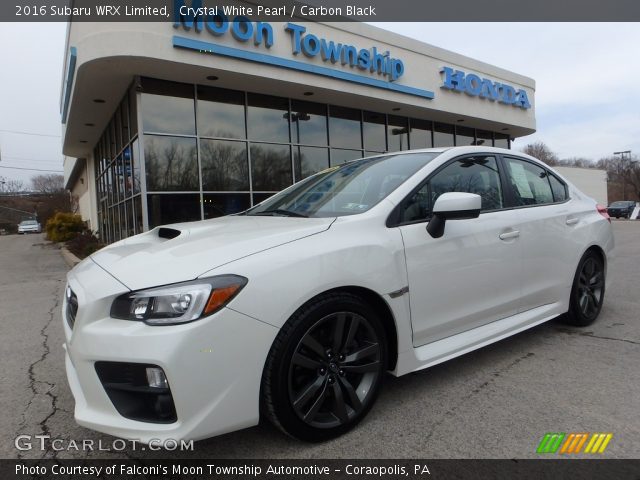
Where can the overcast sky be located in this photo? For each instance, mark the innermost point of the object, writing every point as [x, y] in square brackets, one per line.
[587, 75]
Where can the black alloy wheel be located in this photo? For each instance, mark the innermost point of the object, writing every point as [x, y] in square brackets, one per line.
[587, 292]
[325, 368]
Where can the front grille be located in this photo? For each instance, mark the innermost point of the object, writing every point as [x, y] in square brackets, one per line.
[72, 307]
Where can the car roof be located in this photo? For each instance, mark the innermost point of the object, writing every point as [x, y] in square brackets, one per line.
[457, 150]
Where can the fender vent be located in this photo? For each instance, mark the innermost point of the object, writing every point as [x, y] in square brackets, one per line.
[168, 233]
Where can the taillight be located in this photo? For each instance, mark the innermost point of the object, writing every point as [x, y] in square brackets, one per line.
[603, 211]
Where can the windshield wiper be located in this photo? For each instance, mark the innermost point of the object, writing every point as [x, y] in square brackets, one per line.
[280, 211]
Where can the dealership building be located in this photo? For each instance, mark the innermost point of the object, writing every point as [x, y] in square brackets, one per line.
[203, 117]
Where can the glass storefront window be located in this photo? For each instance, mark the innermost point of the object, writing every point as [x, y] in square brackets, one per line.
[465, 136]
[398, 133]
[309, 160]
[115, 217]
[133, 112]
[268, 118]
[135, 166]
[233, 149]
[128, 172]
[124, 220]
[374, 131]
[270, 167]
[171, 163]
[345, 127]
[110, 186]
[173, 208]
[220, 113]
[262, 196]
[120, 176]
[168, 107]
[224, 165]
[421, 133]
[308, 123]
[442, 135]
[220, 204]
[124, 113]
[129, 210]
[137, 213]
[339, 156]
[501, 140]
[117, 126]
[111, 143]
[484, 138]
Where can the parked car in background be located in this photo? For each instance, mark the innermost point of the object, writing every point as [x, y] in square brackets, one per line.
[623, 208]
[29, 226]
[295, 309]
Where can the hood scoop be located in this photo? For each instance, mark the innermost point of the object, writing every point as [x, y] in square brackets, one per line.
[168, 233]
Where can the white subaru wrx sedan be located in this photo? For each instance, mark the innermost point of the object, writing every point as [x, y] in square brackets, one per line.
[296, 308]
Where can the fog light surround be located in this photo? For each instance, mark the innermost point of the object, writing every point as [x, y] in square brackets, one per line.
[138, 391]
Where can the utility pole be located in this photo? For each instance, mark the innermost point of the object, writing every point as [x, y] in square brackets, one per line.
[624, 170]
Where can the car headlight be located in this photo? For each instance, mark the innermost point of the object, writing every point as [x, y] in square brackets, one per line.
[178, 303]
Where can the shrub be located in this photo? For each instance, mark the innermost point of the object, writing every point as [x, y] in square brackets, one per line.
[64, 226]
[84, 244]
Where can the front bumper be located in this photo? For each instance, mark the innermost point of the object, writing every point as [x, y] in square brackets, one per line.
[213, 366]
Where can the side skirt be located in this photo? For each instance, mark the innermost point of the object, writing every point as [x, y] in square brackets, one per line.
[440, 351]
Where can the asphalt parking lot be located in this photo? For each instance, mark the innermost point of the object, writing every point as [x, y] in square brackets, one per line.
[497, 402]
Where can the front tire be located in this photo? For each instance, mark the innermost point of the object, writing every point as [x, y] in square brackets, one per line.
[325, 368]
[587, 292]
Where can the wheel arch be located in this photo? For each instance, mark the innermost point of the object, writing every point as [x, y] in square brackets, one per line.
[386, 315]
[377, 302]
[598, 250]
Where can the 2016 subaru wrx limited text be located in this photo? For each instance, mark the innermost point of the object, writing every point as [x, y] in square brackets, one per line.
[295, 309]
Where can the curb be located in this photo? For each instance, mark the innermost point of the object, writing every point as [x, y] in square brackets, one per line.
[69, 257]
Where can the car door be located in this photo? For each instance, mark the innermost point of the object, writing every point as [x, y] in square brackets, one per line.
[546, 222]
[471, 275]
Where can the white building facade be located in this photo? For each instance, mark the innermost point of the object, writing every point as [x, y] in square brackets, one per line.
[202, 117]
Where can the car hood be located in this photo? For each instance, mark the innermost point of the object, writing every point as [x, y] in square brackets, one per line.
[184, 251]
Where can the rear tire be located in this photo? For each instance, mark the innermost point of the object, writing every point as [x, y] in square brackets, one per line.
[325, 368]
[587, 292]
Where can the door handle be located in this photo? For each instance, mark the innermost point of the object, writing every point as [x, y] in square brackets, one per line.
[572, 221]
[508, 235]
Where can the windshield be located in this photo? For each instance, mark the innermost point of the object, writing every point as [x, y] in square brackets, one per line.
[346, 189]
[28, 222]
[620, 204]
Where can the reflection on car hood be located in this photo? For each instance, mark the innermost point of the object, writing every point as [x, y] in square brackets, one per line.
[155, 258]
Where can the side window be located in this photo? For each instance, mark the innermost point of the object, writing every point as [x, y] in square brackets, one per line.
[559, 189]
[529, 182]
[478, 174]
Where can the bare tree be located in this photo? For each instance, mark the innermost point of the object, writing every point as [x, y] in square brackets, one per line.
[577, 162]
[11, 186]
[50, 183]
[624, 174]
[633, 178]
[540, 151]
